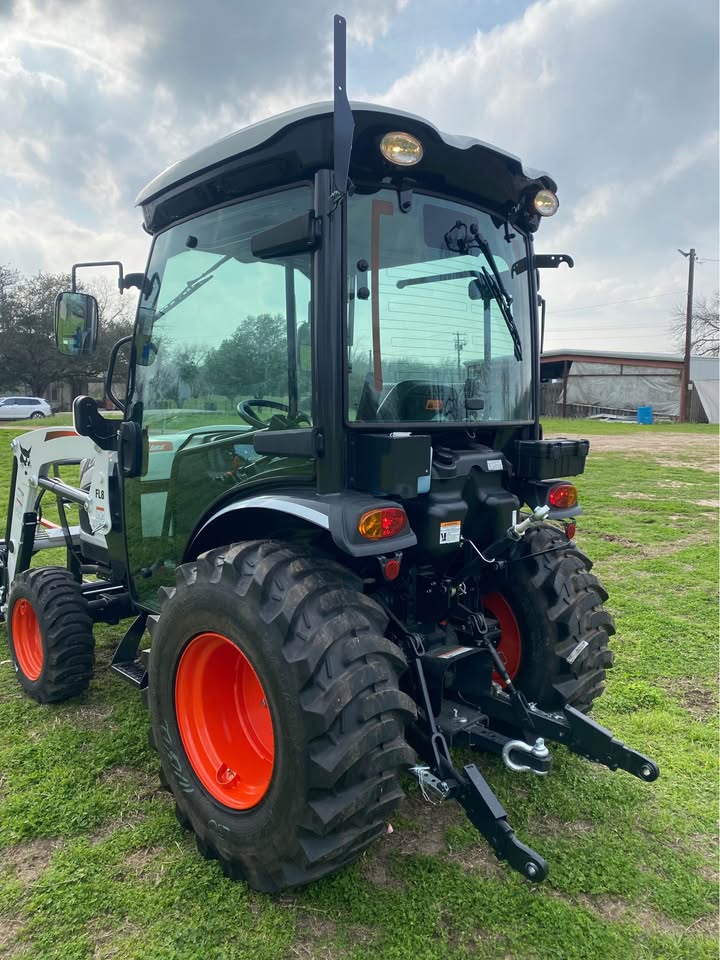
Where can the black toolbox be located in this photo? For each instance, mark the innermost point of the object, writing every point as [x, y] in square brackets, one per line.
[548, 459]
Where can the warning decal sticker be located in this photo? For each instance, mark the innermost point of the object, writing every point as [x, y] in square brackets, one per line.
[450, 531]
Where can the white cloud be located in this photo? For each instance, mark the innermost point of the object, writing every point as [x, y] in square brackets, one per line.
[617, 101]
[620, 106]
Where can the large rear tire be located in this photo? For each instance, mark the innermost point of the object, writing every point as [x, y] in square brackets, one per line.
[50, 634]
[276, 712]
[554, 629]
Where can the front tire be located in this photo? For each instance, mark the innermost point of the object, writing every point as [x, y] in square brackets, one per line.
[273, 647]
[554, 629]
[50, 634]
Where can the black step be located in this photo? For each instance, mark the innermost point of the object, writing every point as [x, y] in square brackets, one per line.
[133, 672]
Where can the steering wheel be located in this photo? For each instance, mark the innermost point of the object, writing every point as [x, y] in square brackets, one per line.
[245, 410]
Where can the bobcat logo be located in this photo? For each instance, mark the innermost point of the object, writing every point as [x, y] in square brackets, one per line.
[24, 456]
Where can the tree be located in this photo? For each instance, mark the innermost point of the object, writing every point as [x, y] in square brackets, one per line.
[705, 327]
[28, 356]
[252, 362]
[27, 349]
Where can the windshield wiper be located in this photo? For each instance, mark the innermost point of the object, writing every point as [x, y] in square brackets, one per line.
[496, 293]
[191, 287]
[458, 241]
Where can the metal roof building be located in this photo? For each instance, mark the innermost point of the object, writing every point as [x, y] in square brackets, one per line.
[590, 382]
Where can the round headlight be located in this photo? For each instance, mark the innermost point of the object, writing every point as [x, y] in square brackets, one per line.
[546, 203]
[401, 148]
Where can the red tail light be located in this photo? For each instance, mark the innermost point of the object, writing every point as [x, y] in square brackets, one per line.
[382, 523]
[563, 496]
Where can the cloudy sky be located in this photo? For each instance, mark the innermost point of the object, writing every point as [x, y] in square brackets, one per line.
[617, 99]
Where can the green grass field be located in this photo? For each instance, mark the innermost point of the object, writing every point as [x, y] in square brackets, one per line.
[94, 866]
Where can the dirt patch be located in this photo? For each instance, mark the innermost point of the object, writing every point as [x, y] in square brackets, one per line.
[614, 909]
[90, 717]
[684, 450]
[28, 860]
[709, 466]
[422, 831]
[656, 550]
[623, 541]
[429, 824]
[111, 943]
[700, 701]
[126, 822]
[139, 860]
[547, 826]
[707, 503]
[9, 939]
[143, 785]
[316, 937]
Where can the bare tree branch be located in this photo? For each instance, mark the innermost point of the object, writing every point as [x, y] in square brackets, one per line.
[705, 327]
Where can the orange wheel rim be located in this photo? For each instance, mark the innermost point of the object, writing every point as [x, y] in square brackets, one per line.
[225, 722]
[27, 639]
[510, 645]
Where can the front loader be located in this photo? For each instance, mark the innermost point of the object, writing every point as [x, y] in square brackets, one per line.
[328, 505]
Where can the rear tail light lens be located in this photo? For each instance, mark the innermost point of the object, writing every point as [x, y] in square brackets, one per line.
[382, 523]
[563, 496]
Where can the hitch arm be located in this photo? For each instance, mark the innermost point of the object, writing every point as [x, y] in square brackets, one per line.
[488, 815]
[597, 743]
[579, 733]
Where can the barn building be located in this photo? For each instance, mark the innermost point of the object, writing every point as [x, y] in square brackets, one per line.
[584, 383]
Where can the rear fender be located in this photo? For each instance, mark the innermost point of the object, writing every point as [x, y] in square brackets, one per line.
[337, 514]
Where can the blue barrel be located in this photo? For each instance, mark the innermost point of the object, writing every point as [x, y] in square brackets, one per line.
[645, 415]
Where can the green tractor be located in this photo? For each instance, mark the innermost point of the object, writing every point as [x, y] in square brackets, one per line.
[328, 500]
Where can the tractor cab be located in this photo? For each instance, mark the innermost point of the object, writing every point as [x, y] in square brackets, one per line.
[301, 338]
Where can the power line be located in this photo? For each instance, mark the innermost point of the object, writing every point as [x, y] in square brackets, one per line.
[612, 303]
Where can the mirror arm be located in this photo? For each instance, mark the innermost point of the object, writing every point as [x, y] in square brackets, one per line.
[99, 263]
[110, 371]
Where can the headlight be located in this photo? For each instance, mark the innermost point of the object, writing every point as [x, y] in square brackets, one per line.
[546, 203]
[401, 148]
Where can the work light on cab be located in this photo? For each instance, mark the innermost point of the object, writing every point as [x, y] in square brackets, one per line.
[563, 496]
[546, 203]
[401, 148]
[382, 523]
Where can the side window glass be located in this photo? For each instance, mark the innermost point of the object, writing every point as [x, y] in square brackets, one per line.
[222, 338]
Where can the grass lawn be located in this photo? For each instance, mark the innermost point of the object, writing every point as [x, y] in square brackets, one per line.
[94, 866]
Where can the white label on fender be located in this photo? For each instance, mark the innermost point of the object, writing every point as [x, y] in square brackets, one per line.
[572, 657]
[450, 531]
[494, 464]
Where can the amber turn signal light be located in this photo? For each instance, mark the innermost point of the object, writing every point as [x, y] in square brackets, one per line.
[563, 496]
[382, 523]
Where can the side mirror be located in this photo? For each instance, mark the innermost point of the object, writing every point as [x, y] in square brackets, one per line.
[76, 324]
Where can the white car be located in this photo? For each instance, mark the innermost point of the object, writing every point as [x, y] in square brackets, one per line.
[24, 408]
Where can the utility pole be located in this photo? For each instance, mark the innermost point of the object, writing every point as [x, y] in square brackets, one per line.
[460, 341]
[685, 379]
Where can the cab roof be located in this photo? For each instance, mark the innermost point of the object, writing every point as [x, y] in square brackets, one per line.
[294, 144]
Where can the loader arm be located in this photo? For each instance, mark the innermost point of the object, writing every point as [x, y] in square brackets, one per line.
[35, 455]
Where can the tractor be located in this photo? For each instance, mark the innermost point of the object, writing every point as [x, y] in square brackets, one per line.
[327, 505]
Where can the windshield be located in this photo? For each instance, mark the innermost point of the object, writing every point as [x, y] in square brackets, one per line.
[438, 319]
